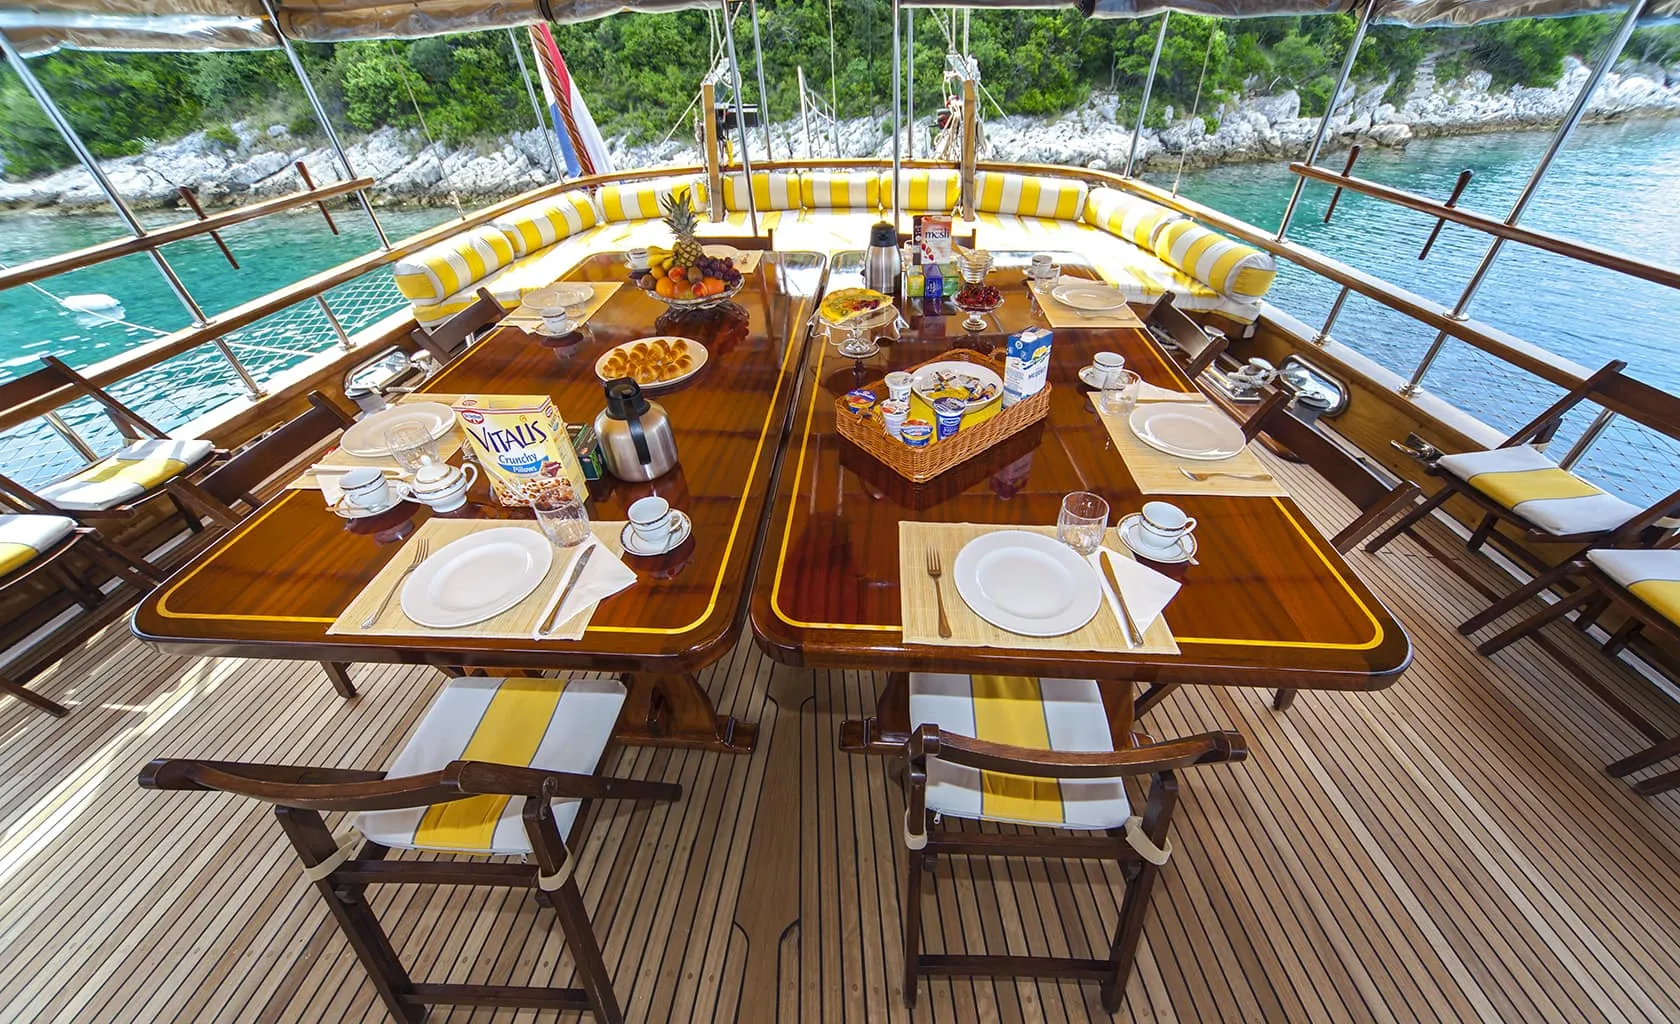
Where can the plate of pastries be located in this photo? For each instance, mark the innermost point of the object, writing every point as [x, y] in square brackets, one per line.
[652, 362]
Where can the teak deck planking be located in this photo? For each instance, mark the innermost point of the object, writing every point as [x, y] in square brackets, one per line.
[1447, 849]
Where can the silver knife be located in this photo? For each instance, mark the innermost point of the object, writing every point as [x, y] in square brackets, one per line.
[1134, 637]
[566, 591]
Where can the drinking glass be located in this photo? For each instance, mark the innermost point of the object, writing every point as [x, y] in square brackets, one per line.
[1120, 393]
[1083, 520]
[411, 445]
[564, 520]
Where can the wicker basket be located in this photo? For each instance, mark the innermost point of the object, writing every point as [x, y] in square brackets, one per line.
[920, 465]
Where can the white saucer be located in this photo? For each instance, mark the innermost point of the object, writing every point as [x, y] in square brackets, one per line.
[678, 535]
[398, 493]
[1129, 525]
[1088, 376]
[542, 332]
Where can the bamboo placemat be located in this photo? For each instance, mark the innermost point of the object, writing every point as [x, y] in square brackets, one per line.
[525, 318]
[448, 445]
[1156, 472]
[516, 623]
[1058, 314]
[919, 609]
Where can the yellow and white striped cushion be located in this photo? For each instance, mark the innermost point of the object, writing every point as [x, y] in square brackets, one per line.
[540, 224]
[924, 191]
[439, 271]
[1028, 195]
[24, 537]
[129, 473]
[1127, 216]
[823, 191]
[772, 190]
[639, 200]
[1651, 576]
[554, 724]
[1531, 485]
[1229, 268]
[1042, 714]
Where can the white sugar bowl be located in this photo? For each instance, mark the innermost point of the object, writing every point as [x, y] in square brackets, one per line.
[444, 487]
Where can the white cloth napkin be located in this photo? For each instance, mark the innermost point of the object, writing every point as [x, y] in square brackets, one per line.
[1147, 592]
[1148, 392]
[604, 576]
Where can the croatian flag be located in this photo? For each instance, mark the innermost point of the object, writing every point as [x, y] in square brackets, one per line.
[581, 145]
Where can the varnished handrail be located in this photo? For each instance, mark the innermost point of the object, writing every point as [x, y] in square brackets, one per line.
[144, 357]
[1567, 247]
[47, 266]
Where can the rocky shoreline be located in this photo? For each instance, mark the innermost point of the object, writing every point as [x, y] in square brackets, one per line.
[1256, 128]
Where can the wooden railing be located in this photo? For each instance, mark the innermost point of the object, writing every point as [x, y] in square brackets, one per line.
[35, 270]
[1567, 247]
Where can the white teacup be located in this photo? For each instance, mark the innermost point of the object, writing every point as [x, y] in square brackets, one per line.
[1162, 526]
[638, 258]
[365, 487]
[556, 319]
[1043, 268]
[652, 521]
[1108, 366]
[444, 487]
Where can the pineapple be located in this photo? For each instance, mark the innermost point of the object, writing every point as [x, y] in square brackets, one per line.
[683, 221]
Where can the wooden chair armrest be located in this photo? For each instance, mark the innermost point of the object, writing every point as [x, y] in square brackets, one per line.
[484, 777]
[1150, 759]
[310, 788]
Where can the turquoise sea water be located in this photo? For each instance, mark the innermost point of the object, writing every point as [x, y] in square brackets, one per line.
[1615, 185]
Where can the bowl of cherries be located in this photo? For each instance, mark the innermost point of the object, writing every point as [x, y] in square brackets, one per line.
[977, 299]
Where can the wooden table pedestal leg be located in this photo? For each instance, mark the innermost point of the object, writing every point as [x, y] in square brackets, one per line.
[886, 731]
[675, 711]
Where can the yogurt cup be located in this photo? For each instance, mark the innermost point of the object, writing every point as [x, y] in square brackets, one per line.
[893, 414]
[898, 385]
[916, 433]
[948, 414]
[860, 401]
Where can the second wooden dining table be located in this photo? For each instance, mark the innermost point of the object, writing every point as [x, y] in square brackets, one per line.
[275, 584]
[1269, 604]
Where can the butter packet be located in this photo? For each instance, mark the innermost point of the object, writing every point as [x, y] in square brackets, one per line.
[1026, 364]
[522, 445]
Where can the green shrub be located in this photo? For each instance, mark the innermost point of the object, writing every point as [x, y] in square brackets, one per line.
[222, 135]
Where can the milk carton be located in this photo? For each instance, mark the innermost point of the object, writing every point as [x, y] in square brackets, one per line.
[522, 444]
[1026, 364]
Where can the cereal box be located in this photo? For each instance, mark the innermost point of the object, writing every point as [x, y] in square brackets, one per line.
[522, 445]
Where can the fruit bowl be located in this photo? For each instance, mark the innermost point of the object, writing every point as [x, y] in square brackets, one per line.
[977, 300]
[700, 301]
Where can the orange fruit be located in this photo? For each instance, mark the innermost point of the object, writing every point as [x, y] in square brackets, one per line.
[665, 287]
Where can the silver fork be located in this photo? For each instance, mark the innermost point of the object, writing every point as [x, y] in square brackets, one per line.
[422, 548]
[934, 571]
[1210, 474]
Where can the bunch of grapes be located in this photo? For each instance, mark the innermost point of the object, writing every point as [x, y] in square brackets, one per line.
[720, 268]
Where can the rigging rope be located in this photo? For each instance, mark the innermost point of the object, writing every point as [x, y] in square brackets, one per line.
[443, 164]
[833, 80]
[1195, 107]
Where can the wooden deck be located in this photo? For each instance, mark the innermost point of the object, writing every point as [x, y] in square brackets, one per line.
[1444, 850]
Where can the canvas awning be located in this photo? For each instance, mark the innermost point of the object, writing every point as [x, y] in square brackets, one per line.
[42, 25]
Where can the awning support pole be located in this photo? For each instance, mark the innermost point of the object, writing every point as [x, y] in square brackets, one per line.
[805, 114]
[27, 76]
[1571, 119]
[740, 117]
[1148, 87]
[763, 93]
[321, 116]
[543, 128]
[1329, 112]
[910, 82]
[897, 105]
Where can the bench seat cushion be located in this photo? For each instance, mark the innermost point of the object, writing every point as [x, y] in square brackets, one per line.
[538, 225]
[772, 190]
[123, 476]
[840, 191]
[441, 270]
[1651, 576]
[923, 191]
[639, 200]
[555, 724]
[1230, 268]
[1029, 195]
[1127, 216]
[1043, 714]
[1533, 486]
[25, 537]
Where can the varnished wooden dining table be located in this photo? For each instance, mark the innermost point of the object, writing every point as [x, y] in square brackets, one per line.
[1270, 604]
[274, 584]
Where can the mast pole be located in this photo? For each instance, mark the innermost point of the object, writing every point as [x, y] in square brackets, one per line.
[897, 101]
[321, 116]
[1329, 112]
[1148, 87]
[763, 93]
[33, 85]
[1571, 120]
[910, 82]
[740, 118]
[536, 108]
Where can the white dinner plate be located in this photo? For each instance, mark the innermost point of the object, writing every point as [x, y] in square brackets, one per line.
[565, 294]
[367, 435]
[480, 575]
[1027, 583]
[929, 377]
[1188, 431]
[1093, 298]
